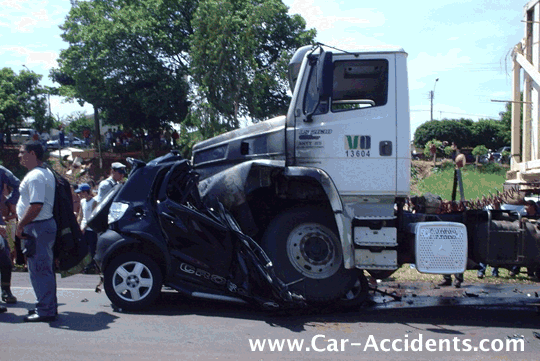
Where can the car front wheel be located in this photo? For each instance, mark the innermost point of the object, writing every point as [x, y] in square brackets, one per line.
[132, 281]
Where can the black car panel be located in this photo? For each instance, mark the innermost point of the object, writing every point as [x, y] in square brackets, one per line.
[163, 222]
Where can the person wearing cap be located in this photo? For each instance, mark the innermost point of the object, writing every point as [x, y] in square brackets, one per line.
[88, 203]
[118, 171]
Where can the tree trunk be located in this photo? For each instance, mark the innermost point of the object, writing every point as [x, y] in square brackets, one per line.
[97, 136]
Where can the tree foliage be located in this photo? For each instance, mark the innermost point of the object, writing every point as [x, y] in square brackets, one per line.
[128, 59]
[446, 130]
[78, 122]
[22, 98]
[132, 60]
[240, 51]
[466, 133]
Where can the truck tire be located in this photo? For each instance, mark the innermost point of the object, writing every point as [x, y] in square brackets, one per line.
[307, 254]
[132, 281]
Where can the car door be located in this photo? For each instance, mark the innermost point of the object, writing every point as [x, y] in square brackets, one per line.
[194, 236]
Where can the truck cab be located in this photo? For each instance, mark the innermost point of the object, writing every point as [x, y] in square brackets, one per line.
[319, 187]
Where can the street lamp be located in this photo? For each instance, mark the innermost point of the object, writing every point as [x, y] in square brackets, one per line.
[432, 95]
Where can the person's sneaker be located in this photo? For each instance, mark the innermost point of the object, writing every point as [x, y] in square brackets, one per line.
[457, 284]
[480, 275]
[445, 283]
[7, 297]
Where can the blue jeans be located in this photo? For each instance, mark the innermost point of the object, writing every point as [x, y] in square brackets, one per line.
[41, 266]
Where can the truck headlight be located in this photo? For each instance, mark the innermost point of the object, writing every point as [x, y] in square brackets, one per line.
[117, 211]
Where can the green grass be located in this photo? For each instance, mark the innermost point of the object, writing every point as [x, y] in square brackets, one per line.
[476, 183]
[407, 274]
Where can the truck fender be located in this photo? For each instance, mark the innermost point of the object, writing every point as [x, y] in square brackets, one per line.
[330, 189]
[231, 186]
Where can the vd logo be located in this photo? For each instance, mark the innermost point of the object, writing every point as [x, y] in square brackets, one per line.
[353, 142]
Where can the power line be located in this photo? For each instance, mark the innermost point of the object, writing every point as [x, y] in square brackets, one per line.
[442, 112]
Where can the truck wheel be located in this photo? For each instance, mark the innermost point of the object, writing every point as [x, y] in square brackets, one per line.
[132, 281]
[307, 254]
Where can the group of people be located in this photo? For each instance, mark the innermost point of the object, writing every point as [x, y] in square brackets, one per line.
[87, 202]
[31, 202]
[156, 139]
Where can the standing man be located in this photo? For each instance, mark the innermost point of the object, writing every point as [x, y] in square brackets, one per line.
[61, 138]
[118, 171]
[70, 138]
[36, 224]
[7, 179]
[88, 203]
[86, 136]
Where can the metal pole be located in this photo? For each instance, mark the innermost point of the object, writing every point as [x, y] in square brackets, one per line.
[432, 95]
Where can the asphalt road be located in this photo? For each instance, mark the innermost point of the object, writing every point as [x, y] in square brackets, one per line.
[425, 324]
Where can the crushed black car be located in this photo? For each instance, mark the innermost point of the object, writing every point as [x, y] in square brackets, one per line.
[156, 231]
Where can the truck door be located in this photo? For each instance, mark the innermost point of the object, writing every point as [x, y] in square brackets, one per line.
[351, 134]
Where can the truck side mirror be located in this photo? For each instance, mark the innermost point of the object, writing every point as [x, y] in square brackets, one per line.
[324, 81]
[326, 75]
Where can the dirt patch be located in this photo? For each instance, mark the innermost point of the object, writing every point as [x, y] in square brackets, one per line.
[420, 169]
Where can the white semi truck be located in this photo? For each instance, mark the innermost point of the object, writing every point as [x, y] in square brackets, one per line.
[323, 188]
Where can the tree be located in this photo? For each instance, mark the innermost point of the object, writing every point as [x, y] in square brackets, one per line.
[240, 51]
[78, 122]
[488, 132]
[479, 151]
[22, 98]
[446, 129]
[128, 59]
[430, 149]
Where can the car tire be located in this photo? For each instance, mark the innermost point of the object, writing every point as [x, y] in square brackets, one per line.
[307, 254]
[132, 281]
[358, 293]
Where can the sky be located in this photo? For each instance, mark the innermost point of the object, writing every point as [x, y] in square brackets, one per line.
[465, 44]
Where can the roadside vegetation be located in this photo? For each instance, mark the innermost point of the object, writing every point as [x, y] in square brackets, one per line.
[477, 181]
[408, 274]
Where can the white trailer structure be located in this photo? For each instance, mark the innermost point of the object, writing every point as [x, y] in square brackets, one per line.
[525, 161]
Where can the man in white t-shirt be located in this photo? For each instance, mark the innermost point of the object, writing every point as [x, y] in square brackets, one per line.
[37, 228]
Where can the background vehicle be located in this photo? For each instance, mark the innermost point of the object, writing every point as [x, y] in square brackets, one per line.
[156, 231]
[77, 142]
[21, 135]
[499, 157]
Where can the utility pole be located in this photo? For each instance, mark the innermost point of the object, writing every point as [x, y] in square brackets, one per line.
[432, 95]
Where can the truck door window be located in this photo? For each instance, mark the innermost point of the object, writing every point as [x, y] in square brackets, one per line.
[360, 84]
